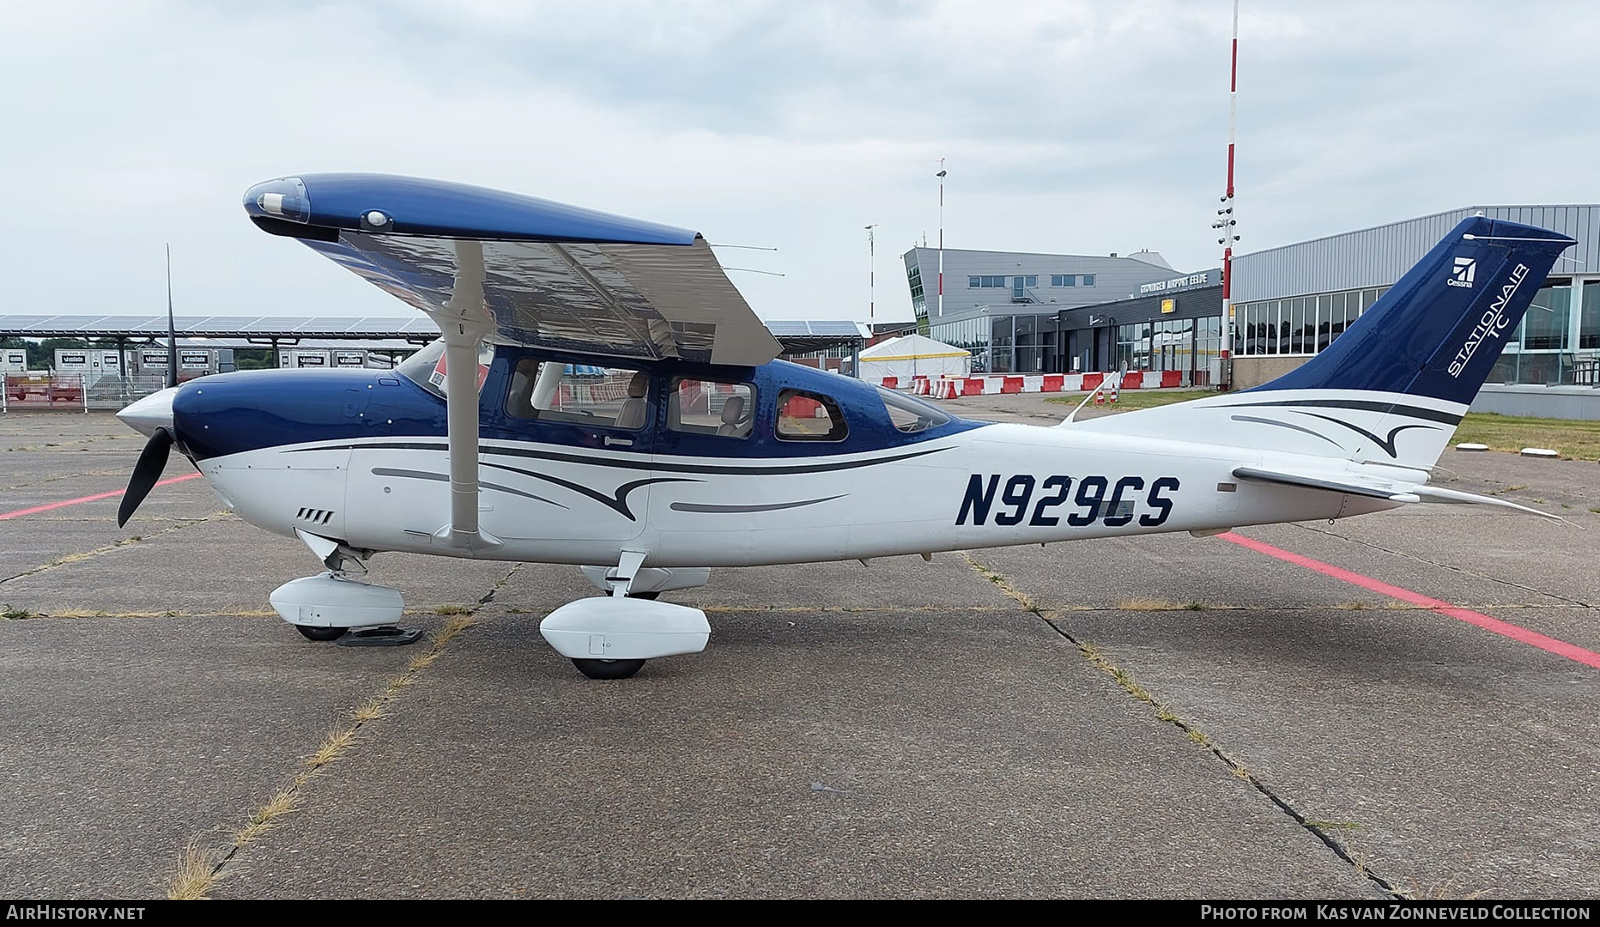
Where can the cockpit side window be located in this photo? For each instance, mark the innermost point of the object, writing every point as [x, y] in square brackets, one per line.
[806, 416]
[426, 368]
[550, 391]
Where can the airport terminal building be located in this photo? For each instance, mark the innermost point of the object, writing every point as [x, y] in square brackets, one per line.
[1003, 306]
[1289, 303]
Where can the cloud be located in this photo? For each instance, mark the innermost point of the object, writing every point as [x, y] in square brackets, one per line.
[1073, 126]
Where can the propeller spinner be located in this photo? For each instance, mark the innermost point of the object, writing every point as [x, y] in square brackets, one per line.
[150, 416]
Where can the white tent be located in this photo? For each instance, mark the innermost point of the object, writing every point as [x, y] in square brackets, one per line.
[913, 356]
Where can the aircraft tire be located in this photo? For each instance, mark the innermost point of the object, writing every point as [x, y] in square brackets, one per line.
[644, 595]
[607, 669]
[320, 634]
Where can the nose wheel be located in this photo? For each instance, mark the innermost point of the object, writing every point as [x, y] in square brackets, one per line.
[320, 634]
[607, 669]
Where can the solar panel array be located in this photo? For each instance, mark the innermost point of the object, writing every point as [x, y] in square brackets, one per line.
[215, 326]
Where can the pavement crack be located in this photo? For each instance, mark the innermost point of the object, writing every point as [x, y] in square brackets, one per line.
[200, 868]
[72, 442]
[848, 609]
[1165, 713]
[1443, 566]
[116, 545]
[74, 475]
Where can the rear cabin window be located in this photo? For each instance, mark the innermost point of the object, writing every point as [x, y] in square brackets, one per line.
[804, 416]
[711, 407]
[607, 397]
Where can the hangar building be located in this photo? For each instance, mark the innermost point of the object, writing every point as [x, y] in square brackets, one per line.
[1012, 312]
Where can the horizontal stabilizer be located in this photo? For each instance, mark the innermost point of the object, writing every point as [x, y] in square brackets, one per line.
[1456, 497]
[1391, 492]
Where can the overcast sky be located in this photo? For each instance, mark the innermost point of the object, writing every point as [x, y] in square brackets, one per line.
[1085, 127]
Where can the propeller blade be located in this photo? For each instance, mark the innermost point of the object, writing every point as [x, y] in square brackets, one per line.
[172, 333]
[152, 461]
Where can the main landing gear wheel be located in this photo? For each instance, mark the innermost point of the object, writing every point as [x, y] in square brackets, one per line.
[607, 669]
[320, 634]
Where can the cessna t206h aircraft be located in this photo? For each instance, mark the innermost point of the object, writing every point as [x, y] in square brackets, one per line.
[602, 396]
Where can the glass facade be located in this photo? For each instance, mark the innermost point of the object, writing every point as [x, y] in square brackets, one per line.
[1555, 345]
[1189, 346]
[969, 334]
[1003, 343]
[1557, 342]
[919, 299]
[1589, 320]
[1033, 344]
[1300, 325]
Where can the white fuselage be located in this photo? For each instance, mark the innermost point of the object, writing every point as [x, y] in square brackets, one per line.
[998, 485]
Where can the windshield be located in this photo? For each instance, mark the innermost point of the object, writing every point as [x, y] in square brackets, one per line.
[426, 367]
[911, 415]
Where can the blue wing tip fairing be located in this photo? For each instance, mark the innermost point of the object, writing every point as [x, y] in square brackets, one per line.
[320, 204]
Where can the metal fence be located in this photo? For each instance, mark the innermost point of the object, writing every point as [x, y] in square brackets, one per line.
[109, 394]
[61, 393]
[68, 393]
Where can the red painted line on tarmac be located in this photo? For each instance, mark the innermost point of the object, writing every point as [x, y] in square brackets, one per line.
[1495, 625]
[94, 498]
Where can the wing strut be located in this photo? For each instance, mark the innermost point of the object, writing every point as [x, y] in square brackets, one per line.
[464, 327]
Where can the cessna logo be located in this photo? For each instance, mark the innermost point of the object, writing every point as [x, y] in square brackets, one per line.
[1492, 324]
[1461, 273]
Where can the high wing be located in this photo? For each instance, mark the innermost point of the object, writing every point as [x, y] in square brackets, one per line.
[493, 266]
[536, 272]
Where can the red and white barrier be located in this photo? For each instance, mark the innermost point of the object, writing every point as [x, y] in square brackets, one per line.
[1000, 384]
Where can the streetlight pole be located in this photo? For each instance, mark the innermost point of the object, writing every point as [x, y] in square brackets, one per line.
[940, 175]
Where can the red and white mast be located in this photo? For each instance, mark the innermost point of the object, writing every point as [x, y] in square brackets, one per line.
[940, 175]
[1225, 218]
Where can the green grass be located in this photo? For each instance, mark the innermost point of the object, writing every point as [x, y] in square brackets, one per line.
[1573, 439]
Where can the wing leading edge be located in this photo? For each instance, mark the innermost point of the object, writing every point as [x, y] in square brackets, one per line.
[542, 274]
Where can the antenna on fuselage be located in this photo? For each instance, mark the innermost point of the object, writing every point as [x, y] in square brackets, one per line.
[1104, 382]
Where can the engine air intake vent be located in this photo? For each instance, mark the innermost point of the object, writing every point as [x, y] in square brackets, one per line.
[315, 516]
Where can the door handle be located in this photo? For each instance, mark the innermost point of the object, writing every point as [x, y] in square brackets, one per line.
[625, 442]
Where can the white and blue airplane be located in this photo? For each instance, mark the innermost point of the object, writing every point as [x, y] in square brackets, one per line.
[602, 396]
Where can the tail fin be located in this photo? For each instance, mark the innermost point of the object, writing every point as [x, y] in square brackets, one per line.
[1438, 332]
[1391, 388]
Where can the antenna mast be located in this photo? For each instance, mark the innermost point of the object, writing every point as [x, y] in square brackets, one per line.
[1225, 218]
